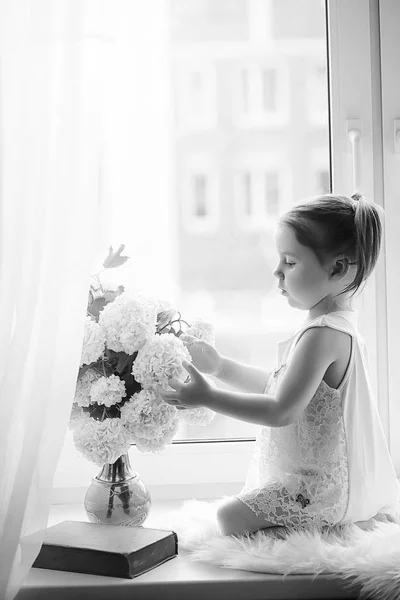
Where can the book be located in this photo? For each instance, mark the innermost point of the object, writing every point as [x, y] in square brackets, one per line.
[98, 549]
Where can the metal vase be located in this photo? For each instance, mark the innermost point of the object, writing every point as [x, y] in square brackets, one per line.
[117, 496]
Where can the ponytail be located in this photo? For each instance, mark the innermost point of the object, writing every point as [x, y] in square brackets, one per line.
[368, 230]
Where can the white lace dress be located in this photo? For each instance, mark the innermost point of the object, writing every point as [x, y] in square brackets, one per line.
[301, 468]
[300, 474]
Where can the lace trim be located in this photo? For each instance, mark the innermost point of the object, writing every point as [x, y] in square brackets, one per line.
[299, 473]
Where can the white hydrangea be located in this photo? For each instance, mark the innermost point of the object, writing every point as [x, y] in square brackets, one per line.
[156, 444]
[94, 342]
[202, 330]
[78, 415]
[201, 415]
[146, 415]
[108, 390]
[197, 416]
[128, 322]
[159, 359]
[101, 441]
[84, 386]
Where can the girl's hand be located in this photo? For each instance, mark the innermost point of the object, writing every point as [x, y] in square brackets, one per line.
[198, 392]
[204, 356]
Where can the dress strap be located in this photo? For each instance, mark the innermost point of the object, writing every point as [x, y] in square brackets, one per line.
[342, 320]
[345, 321]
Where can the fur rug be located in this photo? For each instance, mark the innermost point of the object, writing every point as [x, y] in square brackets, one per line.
[368, 560]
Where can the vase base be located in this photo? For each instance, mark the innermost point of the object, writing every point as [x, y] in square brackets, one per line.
[125, 502]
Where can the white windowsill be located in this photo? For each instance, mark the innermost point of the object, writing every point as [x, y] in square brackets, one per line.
[177, 579]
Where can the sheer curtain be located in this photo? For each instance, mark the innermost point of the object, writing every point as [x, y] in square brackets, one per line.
[50, 145]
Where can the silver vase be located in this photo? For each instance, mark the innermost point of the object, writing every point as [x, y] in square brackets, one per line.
[117, 496]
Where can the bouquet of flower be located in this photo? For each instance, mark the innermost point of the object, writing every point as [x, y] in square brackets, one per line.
[131, 344]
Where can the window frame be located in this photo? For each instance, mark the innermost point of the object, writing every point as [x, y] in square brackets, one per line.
[389, 14]
[355, 95]
[356, 102]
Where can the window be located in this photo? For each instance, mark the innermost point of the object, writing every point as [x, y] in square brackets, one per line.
[270, 146]
[387, 186]
[269, 90]
[261, 94]
[195, 96]
[199, 199]
[261, 193]
[200, 195]
[271, 194]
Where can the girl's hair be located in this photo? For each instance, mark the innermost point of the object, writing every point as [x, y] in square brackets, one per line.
[338, 225]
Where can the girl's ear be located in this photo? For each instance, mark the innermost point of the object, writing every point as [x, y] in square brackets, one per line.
[340, 267]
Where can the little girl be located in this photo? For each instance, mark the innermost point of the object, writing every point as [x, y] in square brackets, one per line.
[321, 456]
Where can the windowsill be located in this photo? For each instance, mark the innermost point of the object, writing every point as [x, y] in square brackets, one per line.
[178, 579]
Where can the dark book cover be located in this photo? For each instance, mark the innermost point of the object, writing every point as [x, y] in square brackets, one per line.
[99, 549]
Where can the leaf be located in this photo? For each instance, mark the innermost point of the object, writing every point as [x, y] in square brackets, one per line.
[110, 295]
[164, 318]
[83, 370]
[96, 307]
[114, 259]
[122, 362]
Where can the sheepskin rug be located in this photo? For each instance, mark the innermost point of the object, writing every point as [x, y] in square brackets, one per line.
[366, 558]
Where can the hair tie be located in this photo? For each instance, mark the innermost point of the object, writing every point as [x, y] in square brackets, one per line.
[356, 197]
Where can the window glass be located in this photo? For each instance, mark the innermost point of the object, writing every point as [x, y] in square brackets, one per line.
[266, 148]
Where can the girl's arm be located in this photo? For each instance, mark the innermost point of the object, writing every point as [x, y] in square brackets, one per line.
[316, 350]
[241, 376]
[208, 360]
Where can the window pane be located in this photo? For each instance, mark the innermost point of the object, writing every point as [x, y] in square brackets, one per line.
[248, 199]
[273, 156]
[200, 195]
[269, 89]
[272, 194]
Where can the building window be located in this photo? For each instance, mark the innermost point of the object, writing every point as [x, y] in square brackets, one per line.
[269, 90]
[248, 195]
[196, 97]
[272, 194]
[259, 197]
[200, 203]
[262, 97]
[200, 195]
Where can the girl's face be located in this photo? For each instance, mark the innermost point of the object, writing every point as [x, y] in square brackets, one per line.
[302, 279]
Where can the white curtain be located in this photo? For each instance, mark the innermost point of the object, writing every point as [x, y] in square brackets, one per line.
[50, 147]
[139, 159]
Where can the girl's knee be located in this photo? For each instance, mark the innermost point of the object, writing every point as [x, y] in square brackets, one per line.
[235, 518]
[229, 518]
